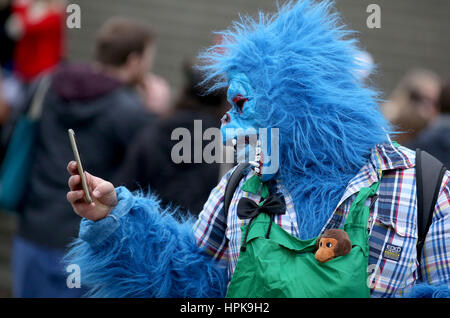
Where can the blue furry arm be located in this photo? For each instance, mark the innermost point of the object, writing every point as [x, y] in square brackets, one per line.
[140, 250]
[429, 291]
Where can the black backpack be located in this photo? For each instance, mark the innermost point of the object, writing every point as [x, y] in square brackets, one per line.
[429, 174]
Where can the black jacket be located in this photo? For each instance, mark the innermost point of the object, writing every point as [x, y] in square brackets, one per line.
[149, 165]
[105, 115]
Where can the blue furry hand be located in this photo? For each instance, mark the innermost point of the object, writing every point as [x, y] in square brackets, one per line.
[104, 195]
[141, 250]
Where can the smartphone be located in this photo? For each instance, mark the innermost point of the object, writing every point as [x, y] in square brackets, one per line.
[87, 196]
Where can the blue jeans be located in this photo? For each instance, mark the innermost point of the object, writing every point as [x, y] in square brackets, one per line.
[37, 271]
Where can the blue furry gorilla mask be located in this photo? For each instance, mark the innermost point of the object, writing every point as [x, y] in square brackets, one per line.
[296, 70]
[243, 120]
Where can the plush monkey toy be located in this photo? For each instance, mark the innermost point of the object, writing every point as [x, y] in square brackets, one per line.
[331, 244]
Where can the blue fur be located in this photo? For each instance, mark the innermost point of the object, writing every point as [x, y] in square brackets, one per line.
[151, 254]
[428, 291]
[301, 67]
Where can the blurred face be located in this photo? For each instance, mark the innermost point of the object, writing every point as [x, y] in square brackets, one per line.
[138, 65]
[147, 58]
[425, 99]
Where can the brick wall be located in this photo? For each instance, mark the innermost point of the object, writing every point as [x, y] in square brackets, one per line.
[414, 33]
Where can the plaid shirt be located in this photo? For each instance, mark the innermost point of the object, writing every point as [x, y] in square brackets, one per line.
[393, 265]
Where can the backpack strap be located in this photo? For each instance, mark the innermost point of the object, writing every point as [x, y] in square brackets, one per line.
[429, 174]
[232, 184]
[37, 103]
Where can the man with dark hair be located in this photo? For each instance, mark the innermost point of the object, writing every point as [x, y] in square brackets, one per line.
[125, 42]
[118, 36]
[115, 40]
[435, 139]
[101, 104]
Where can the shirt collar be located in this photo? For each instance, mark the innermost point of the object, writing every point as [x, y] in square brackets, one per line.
[387, 156]
[391, 156]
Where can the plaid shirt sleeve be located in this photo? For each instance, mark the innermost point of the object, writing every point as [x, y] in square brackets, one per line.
[211, 226]
[435, 267]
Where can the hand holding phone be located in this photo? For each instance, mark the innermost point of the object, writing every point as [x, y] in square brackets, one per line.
[93, 206]
[79, 166]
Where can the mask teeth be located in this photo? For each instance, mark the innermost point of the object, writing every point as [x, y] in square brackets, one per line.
[254, 163]
[258, 148]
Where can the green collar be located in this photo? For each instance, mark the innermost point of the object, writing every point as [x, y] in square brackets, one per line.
[396, 144]
[254, 184]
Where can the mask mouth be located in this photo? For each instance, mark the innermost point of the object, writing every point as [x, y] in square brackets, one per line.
[251, 147]
[239, 101]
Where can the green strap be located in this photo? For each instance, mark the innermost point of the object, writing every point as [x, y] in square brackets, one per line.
[358, 216]
[396, 144]
[358, 205]
[253, 184]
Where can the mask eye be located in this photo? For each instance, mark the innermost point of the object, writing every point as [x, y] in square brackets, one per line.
[239, 101]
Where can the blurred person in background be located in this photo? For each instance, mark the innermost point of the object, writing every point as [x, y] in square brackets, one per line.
[10, 87]
[148, 163]
[32, 38]
[153, 89]
[38, 28]
[436, 138]
[4, 113]
[6, 53]
[100, 102]
[157, 94]
[413, 104]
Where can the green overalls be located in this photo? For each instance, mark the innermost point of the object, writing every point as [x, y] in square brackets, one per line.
[281, 265]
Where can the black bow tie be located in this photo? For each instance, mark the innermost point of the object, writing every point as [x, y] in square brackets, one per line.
[248, 209]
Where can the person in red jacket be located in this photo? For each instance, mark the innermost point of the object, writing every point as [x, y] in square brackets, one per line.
[38, 27]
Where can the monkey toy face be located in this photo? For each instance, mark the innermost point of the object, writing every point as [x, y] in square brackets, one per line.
[331, 244]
